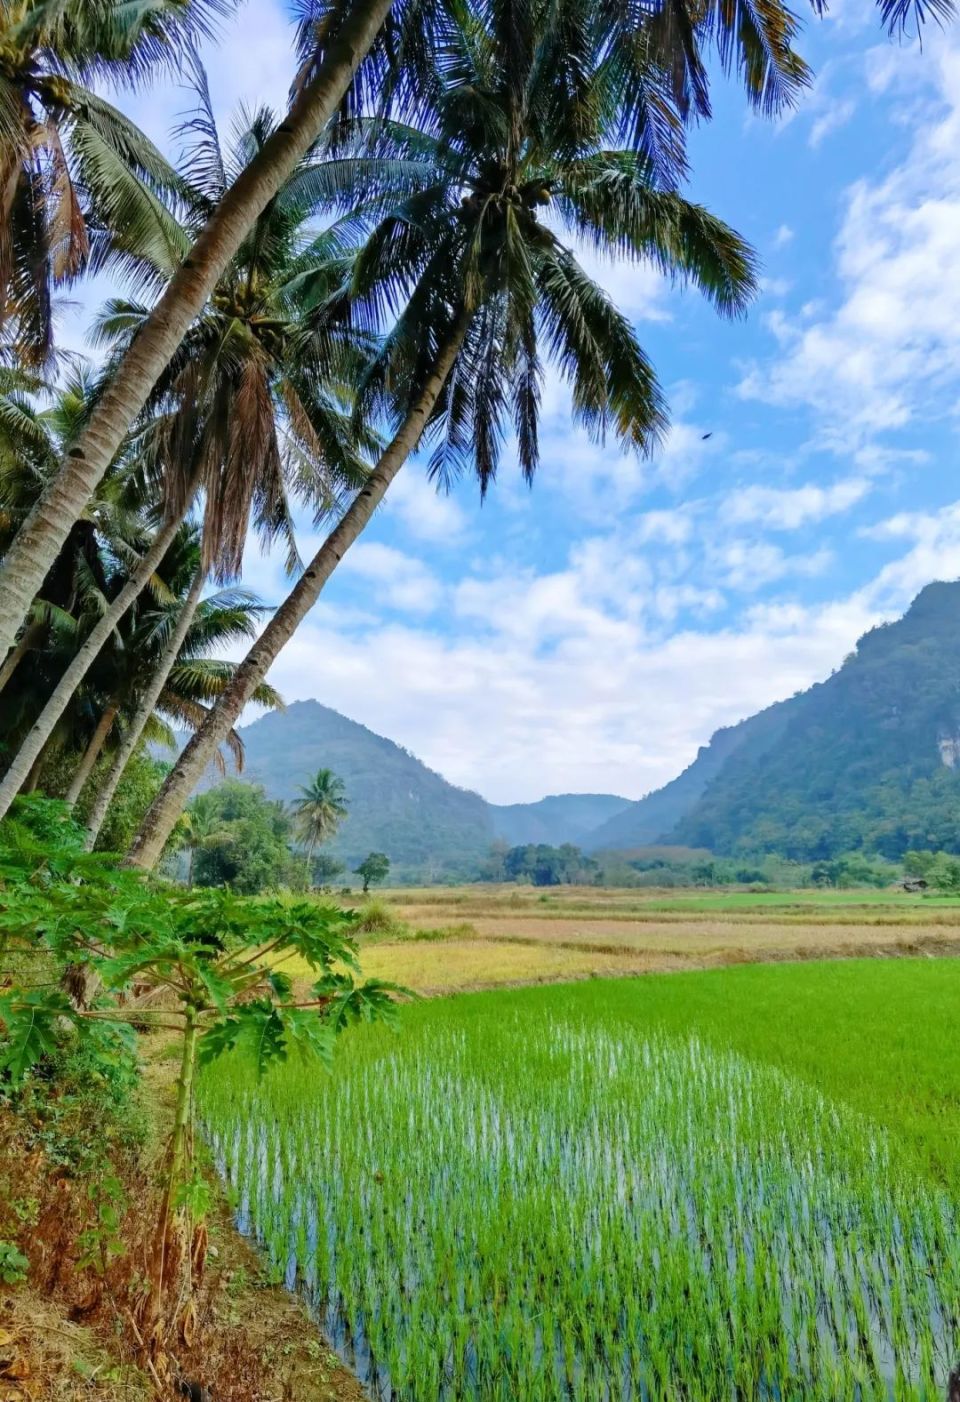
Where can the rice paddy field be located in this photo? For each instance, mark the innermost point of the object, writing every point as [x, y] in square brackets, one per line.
[738, 1183]
[444, 940]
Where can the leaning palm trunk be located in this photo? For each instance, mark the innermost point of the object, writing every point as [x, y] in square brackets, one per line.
[31, 780]
[182, 779]
[145, 708]
[91, 754]
[43, 533]
[16, 654]
[81, 663]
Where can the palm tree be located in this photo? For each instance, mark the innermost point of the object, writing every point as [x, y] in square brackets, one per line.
[168, 670]
[74, 603]
[77, 177]
[335, 40]
[255, 398]
[485, 286]
[652, 58]
[256, 401]
[31, 440]
[320, 809]
[111, 700]
[201, 825]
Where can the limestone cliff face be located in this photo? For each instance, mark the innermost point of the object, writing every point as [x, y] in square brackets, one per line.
[867, 760]
[949, 747]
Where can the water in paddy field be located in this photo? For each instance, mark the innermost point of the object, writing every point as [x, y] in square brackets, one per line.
[544, 1210]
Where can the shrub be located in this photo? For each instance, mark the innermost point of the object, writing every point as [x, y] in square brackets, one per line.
[377, 917]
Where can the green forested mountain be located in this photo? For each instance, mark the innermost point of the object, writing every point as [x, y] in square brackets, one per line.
[643, 823]
[869, 759]
[427, 827]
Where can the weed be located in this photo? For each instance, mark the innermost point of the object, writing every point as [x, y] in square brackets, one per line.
[13, 1264]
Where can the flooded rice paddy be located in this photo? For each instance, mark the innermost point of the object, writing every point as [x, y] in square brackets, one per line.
[542, 1208]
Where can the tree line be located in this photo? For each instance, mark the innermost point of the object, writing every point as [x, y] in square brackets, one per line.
[539, 864]
[390, 265]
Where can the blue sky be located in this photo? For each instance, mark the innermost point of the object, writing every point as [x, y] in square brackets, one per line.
[591, 633]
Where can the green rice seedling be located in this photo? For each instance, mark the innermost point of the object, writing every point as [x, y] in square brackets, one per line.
[508, 1203]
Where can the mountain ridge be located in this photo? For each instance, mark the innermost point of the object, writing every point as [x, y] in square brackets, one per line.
[868, 759]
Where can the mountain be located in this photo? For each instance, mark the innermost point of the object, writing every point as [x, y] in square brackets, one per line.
[645, 822]
[868, 759]
[425, 825]
[565, 817]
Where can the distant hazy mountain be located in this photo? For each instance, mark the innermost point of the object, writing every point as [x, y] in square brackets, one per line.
[868, 759]
[565, 817]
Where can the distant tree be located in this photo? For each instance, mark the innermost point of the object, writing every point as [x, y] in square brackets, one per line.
[543, 865]
[944, 874]
[492, 868]
[853, 869]
[325, 869]
[320, 809]
[373, 868]
[918, 863]
[200, 823]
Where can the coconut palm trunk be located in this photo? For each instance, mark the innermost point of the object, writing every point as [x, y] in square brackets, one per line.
[182, 779]
[80, 664]
[91, 754]
[32, 778]
[43, 533]
[145, 708]
[16, 654]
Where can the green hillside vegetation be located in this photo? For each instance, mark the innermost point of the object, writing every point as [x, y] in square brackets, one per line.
[864, 760]
[235, 836]
[427, 827]
[645, 822]
[430, 829]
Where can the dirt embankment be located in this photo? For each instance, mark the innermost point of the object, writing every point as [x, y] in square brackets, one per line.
[68, 1333]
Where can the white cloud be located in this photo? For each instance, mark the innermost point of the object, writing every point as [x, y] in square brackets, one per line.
[604, 706]
[425, 512]
[891, 350]
[748, 565]
[664, 527]
[783, 236]
[834, 115]
[786, 509]
[935, 554]
[581, 678]
[397, 581]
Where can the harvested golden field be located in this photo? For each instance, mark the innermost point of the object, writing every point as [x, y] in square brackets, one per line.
[443, 941]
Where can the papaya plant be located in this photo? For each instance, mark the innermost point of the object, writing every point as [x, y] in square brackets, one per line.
[204, 966]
